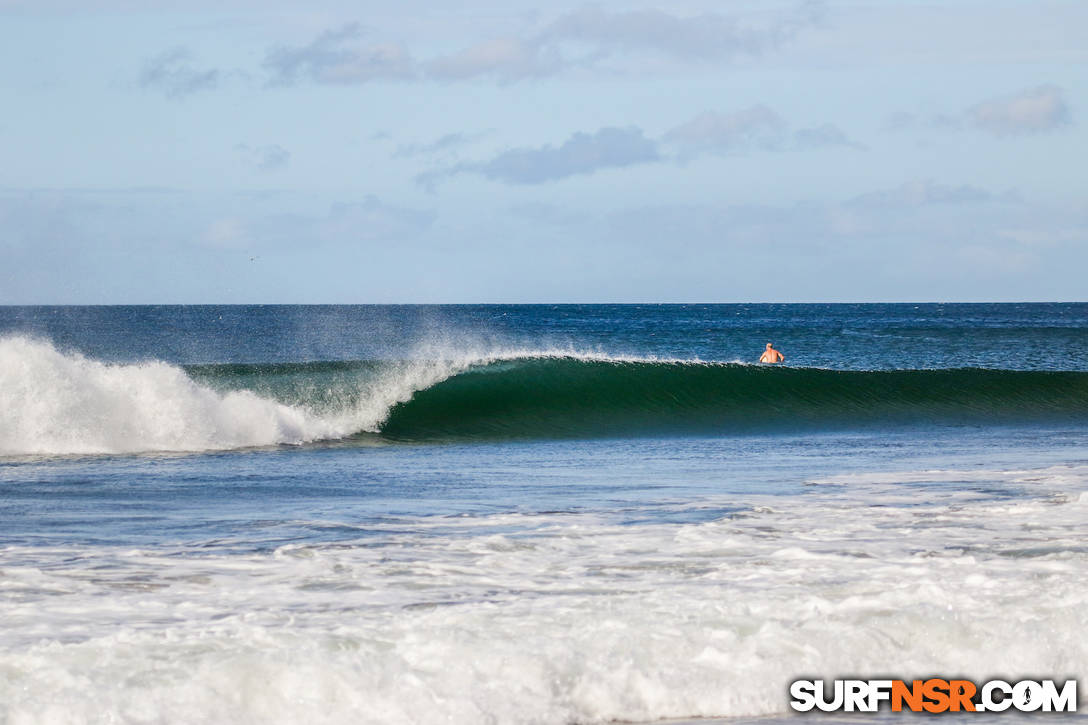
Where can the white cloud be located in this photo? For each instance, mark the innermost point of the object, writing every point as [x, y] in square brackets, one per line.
[172, 73]
[922, 192]
[448, 143]
[1033, 110]
[709, 133]
[581, 38]
[713, 132]
[757, 127]
[337, 57]
[509, 59]
[582, 153]
[1030, 111]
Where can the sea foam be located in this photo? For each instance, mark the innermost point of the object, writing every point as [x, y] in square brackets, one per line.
[54, 402]
[558, 618]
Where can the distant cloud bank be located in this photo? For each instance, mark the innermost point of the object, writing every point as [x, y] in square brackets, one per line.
[346, 55]
[1033, 110]
[709, 133]
[921, 192]
[1030, 111]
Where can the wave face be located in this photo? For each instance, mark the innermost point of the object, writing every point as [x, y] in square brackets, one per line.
[584, 397]
[54, 402]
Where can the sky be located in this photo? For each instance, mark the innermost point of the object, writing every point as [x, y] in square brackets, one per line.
[483, 151]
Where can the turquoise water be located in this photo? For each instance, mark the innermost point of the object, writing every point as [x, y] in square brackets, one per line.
[531, 513]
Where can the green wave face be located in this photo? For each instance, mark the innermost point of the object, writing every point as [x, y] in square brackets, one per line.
[567, 397]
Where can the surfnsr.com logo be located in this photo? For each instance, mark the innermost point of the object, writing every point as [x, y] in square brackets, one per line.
[934, 695]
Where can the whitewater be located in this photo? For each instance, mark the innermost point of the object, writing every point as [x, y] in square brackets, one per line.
[556, 618]
[532, 514]
[64, 403]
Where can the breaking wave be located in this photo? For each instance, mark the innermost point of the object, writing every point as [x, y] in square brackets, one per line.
[55, 402]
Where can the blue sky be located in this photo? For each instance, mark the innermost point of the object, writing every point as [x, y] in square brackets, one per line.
[186, 152]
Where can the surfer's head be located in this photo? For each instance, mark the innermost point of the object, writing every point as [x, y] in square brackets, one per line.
[768, 346]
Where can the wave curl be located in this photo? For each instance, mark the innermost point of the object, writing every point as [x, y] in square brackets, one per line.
[54, 402]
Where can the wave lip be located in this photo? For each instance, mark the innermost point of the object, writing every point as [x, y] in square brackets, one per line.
[579, 397]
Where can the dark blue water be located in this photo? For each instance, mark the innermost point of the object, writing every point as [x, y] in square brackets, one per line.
[844, 336]
[263, 499]
[531, 514]
[257, 497]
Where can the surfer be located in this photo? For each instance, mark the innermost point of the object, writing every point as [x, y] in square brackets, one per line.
[770, 355]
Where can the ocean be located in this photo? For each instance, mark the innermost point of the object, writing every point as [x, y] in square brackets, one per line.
[532, 513]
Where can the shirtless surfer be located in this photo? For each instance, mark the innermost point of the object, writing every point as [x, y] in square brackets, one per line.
[770, 355]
